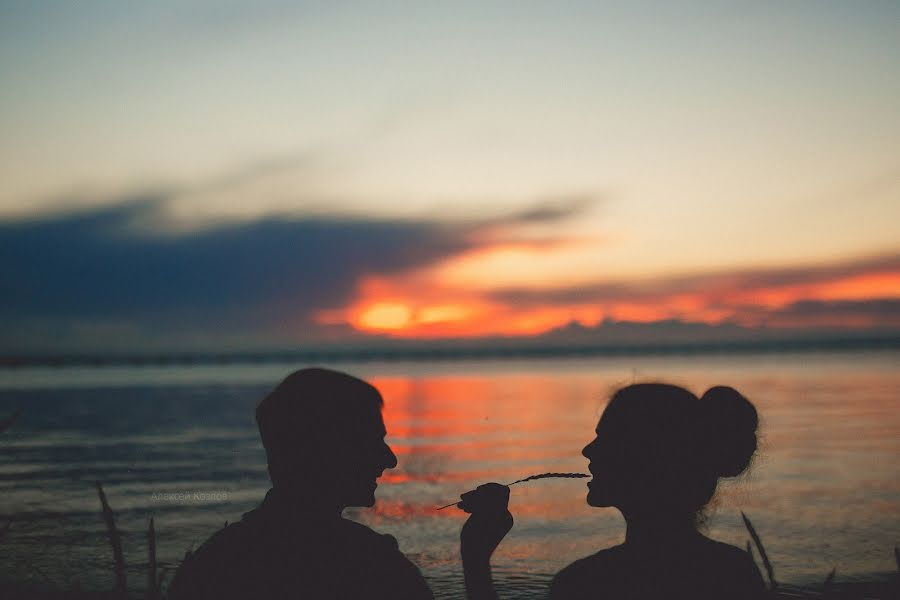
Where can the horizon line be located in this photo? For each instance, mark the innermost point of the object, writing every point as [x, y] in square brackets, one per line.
[436, 352]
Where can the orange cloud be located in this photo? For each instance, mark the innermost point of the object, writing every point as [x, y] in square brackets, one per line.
[406, 308]
[437, 303]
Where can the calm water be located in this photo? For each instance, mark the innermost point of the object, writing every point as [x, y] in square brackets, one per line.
[180, 445]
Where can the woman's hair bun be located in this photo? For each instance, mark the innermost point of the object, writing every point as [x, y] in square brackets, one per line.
[730, 423]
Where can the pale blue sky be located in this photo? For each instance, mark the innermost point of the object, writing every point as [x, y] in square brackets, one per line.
[711, 135]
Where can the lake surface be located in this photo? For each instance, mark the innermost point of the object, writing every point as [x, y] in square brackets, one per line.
[180, 444]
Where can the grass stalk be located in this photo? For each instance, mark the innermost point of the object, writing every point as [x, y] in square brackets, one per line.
[5, 529]
[115, 541]
[532, 478]
[550, 475]
[7, 423]
[152, 578]
[770, 572]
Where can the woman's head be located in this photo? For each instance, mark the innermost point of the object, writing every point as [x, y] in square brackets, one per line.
[660, 448]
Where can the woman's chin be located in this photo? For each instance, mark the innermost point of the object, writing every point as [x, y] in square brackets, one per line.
[596, 498]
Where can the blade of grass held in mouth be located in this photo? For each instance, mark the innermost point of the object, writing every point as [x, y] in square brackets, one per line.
[532, 478]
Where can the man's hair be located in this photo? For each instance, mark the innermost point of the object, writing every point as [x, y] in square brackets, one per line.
[311, 406]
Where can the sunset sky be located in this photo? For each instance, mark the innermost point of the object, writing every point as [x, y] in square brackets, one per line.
[196, 174]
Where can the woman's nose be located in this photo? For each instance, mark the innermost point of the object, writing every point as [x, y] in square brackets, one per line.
[589, 448]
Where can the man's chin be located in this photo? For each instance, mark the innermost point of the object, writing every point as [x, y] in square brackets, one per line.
[363, 500]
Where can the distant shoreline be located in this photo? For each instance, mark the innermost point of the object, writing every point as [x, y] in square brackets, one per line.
[437, 352]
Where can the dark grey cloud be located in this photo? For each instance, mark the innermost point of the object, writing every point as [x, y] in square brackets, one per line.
[95, 265]
[877, 311]
[552, 210]
[715, 285]
[112, 266]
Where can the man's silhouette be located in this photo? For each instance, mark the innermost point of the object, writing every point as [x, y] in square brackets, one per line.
[324, 440]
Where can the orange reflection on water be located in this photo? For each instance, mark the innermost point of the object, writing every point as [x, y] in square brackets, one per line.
[526, 449]
[452, 433]
[399, 475]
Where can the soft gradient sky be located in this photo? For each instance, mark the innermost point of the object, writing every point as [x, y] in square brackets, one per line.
[188, 173]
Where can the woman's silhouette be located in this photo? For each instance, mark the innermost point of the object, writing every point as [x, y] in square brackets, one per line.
[658, 456]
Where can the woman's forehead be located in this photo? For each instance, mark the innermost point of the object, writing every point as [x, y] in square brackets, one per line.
[618, 418]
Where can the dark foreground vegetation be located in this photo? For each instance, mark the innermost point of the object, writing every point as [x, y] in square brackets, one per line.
[157, 575]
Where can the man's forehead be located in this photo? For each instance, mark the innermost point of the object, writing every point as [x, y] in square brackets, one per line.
[370, 422]
[379, 426]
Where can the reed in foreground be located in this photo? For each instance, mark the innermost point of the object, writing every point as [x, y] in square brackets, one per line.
[115, 541]
[770, 571]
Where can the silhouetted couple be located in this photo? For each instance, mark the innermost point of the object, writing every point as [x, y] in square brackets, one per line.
[657, 457]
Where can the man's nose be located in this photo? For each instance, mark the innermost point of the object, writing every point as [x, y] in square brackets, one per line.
[390, 457]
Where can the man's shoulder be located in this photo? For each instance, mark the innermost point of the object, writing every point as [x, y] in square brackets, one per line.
[367, 537]
[255, 530]
[222, 555]
[227, 543]
[381, 562]
[340, 555]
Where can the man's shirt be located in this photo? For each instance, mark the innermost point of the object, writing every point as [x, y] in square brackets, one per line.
[276, 552]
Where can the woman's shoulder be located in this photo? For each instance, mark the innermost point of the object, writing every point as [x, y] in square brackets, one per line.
[708, 568]
[738, 564]
[580, 574]
[728, 556]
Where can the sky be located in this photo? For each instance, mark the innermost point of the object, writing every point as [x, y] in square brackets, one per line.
[214, 175]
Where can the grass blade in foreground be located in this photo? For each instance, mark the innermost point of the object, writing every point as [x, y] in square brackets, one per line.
[762, 551]
[152, 580]
[7, 423]
[115, 541]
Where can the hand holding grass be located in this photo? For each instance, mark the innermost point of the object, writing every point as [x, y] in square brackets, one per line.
[488, 524]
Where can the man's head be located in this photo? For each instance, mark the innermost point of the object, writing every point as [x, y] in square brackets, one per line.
[324, 437]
